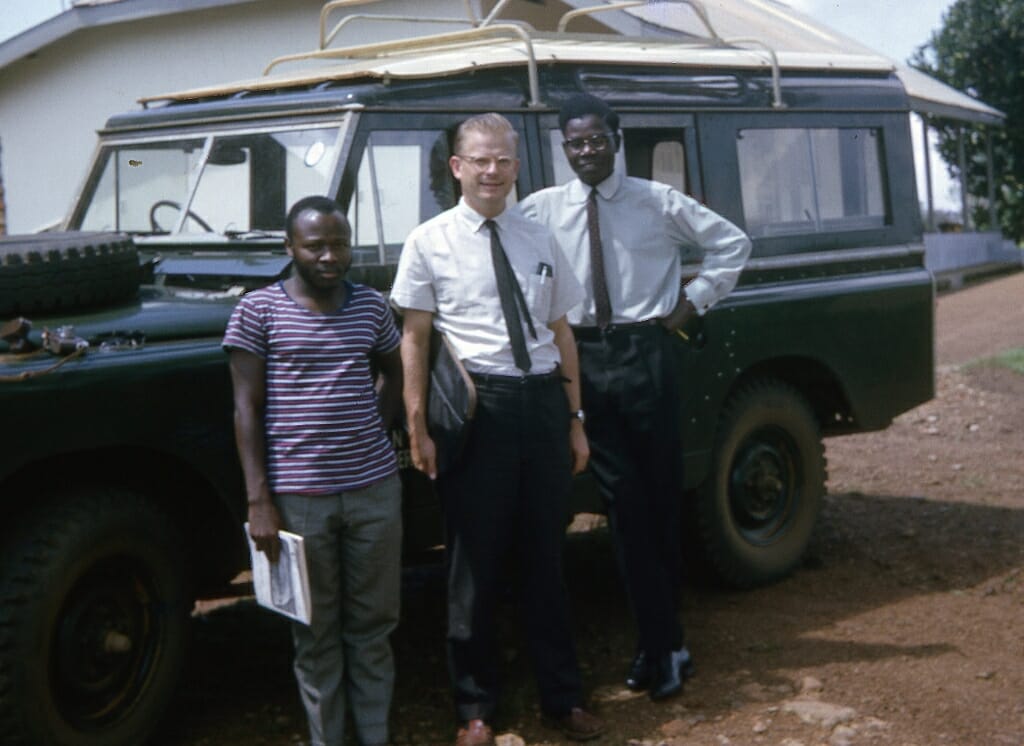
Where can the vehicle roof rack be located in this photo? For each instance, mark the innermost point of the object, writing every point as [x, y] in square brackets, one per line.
[486, 28]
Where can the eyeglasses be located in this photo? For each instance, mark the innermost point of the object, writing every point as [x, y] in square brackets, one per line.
[482, 163]
[597, 143]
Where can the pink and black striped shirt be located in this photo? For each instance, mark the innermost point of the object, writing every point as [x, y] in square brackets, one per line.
[323, 428]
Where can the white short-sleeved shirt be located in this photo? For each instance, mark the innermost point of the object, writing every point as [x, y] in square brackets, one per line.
[446, 268]
[647, 230]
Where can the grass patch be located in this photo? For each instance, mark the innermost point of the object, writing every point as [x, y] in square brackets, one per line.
[1012, 359]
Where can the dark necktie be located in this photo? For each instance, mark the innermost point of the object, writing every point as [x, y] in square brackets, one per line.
[513, 304]
[602, 304]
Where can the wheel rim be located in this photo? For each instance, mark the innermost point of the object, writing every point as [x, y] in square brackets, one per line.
[106, 644]
[764, 484]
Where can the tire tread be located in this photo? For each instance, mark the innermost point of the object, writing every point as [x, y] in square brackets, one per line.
[33, 549]
[715, 554]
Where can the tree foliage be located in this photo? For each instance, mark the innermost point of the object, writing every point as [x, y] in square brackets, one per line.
[980, 49]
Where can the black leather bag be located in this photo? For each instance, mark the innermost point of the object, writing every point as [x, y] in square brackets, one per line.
[451, 402]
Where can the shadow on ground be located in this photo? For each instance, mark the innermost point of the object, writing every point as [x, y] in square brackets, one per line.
[868, 552]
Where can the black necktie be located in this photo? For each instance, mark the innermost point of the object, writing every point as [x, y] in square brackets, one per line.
[602, 304]
[513, 304]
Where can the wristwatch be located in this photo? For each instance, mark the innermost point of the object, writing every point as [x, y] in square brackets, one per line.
[580, 415]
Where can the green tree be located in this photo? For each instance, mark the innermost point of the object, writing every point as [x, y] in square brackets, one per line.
[980, 49]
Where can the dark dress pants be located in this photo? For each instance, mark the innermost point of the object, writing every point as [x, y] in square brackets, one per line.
[508, 499]
[630, 393]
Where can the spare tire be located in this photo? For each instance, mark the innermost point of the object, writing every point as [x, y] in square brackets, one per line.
[47, 272]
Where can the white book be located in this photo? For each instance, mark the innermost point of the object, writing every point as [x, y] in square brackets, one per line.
[282, 586]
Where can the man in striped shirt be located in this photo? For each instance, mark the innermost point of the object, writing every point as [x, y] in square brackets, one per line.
[311, 433]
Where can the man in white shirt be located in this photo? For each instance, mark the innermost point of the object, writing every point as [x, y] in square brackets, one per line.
[624, 238]
[497, 285]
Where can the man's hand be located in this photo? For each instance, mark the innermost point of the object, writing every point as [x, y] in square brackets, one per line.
[264, 523]
[579, 446]
[681, 315]
[424, 454]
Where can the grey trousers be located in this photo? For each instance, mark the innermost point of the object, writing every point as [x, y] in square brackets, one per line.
[353, 546]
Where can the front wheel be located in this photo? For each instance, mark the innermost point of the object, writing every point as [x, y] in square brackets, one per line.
[93, 620]
[758, 507]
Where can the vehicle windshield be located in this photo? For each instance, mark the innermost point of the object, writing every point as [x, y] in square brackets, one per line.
[237, 183]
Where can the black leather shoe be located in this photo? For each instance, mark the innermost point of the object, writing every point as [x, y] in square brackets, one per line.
[669, 672]
[639, 676]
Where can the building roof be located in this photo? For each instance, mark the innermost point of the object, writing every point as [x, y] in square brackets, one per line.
[85, 14]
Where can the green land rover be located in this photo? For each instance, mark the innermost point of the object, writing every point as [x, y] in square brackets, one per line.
[120, 491]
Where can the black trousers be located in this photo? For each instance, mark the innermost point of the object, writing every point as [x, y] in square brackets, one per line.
[630, 382]
[508, 499]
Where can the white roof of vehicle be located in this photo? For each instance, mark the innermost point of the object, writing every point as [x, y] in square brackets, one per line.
[426, 60]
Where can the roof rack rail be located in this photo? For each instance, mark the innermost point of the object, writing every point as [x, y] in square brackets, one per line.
[697, 6]
[378, 49]
[325, 12]
[486, 28]
[773, 58]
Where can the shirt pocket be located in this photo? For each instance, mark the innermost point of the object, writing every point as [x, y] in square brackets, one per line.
[538, 296]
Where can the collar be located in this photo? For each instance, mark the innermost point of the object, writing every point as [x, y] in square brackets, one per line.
[578, 191]
[475, 220]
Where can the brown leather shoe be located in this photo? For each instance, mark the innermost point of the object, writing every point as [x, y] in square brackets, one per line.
[475, 733]
[577, 724]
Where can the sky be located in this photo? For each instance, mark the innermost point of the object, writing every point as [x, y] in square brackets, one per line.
[18, 15]
[904, 26]
[893, 27]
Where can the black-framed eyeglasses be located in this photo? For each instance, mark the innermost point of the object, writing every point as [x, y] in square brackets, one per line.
[597, 143]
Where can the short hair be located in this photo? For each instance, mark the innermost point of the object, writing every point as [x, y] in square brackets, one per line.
[322, 205]
[491, 123]
[584, 104]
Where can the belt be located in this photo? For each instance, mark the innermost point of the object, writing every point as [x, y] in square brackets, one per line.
[494, 379]
[593, 332]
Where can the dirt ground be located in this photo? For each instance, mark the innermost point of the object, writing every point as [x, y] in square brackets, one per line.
[904, 625]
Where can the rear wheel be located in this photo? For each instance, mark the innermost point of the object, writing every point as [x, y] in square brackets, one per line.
[757, 510]
[93, 621]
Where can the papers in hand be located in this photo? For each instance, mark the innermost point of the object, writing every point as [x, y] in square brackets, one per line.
[282, 586]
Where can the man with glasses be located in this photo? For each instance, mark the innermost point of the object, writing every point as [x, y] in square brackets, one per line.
[498, 287]
[624, 237]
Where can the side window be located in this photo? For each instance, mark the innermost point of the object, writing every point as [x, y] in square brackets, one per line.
[403, 180]
[811, 180]
[656, 154]
[668, 164]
